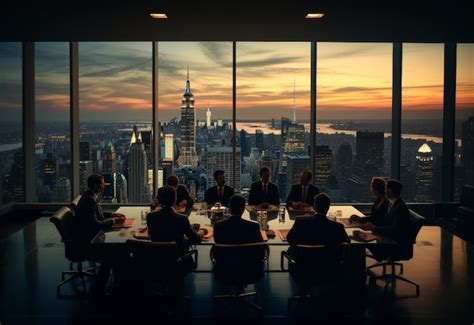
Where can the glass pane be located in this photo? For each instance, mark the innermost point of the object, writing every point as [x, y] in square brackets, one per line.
[464, 160]
[273, 111]
[354, 105]
[11, 137]
[422, 121]
[53, 140]
[195, 95]
[115, 92]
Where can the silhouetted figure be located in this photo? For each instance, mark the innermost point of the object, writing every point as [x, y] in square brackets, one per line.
[380, 206]
[235, 230]
[264, 192]
[220, 192]
[302, 194]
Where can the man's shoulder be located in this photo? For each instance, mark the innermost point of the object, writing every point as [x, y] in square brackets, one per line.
[211, 188]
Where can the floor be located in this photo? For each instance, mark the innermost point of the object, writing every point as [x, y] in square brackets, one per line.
[32, 258]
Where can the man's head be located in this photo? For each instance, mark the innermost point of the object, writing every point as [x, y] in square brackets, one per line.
[265, 174]
[167, 196]
[96, 183]
[237, 205]
[393, 188]
[377, 186]
[219, 176]
[305, 177]
[322, 202]
[172, 181]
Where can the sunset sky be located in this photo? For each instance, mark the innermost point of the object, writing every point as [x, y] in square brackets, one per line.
[354, 80]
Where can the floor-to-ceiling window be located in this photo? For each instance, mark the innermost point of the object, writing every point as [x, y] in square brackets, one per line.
[53, 145]
[12, 187]
[115, 91]
[195, 112]
[273, 111]
[464, 158]
[422, 121]
[354, 102]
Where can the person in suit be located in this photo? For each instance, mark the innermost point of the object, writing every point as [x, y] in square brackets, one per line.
[264, 192]
[219, 193]
[168, 225]
[380, 205]
[89, 216]
[395, 223]
[235, 230]
[317, 229]
[89, 220]
[183, 199]
[302, 194]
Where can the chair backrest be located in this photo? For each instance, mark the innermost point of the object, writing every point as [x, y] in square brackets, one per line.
[318, 263]
[63, 219]
[239, 264]
[416, 222]
[467, 197]
[74, 203]
[154, 259]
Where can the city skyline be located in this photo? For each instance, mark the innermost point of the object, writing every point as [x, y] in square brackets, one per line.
[115, 79]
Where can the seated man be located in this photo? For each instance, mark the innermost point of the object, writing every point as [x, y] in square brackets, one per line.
[236, 230]
[89, 220]
[302, 194]
[167, 225]
[264, 192]
[317, 229]
[380, 205]
[219, 193]
[183, 199]
[396, 222]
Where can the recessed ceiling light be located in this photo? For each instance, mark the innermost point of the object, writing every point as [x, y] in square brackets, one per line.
[314, 15]
[159, 16]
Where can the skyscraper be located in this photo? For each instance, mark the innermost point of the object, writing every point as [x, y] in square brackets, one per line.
[208, 117]
[323, 165]
[296, 164]
[187, 153]
[50, 170]
[85, 152]
[61, 190]
[467, 150]
[344, 161]
[259, 140]
[244, 145]
[110, 161]
[169, 147]
[424, 174]
[138, 172]
[222, 158]
[294, 143]
[85, 169]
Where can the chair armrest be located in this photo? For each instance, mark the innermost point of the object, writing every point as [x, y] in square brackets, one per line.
[290, 259]
[189, 254]
[211, 255]
[267, 253]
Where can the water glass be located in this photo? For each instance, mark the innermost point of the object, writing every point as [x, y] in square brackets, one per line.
[281, 215]
[338, 214]
[143, 217]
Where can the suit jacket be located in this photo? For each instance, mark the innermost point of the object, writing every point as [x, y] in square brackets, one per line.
[316, 229]
[296, 192]
[212, 197]
[256, 195]
[181, 194]
[168, 225]
[89, 219]
[236, 230]
[396, 223]
[377, 213]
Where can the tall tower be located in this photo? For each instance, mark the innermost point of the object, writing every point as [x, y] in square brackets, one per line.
[208, 117]
[137, 173]
[424, 174]
[110, 160]
[187, 152]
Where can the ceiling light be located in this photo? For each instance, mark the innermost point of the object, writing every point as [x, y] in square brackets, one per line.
[158, 16]
[314, 15]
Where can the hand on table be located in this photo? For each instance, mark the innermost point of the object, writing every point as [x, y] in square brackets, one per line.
[119, 220]
[202, 232]
[367, 226]
[354, 218]
[297, 205]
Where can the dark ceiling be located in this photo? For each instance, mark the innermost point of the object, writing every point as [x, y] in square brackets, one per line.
[244, 20]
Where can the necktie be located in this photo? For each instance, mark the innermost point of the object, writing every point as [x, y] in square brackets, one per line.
[265, 189]
[220, 194]
[303, 194]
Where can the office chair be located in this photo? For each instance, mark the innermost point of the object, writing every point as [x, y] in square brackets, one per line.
[313, 266]
[239, 265]
[73, 204]
[403, 252]
[63, 220]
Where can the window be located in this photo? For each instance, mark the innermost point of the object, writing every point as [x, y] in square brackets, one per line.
[195, 111]
[53, 140]
[11, 145]
[464, 159]
[273, 111]
[422, 121]
[354, 105]
[115, 92]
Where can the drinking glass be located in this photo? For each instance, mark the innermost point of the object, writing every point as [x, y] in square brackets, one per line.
[143, 214]
[281, 215]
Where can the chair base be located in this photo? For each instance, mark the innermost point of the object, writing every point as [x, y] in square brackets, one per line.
[74, 274]
[241, 297]
[390, 278]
